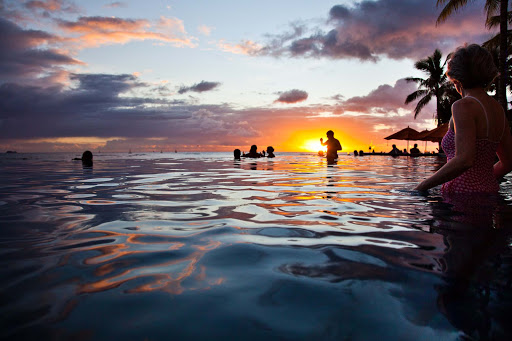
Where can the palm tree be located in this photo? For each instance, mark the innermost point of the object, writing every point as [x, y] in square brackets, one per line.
[435, 85]
[496, 10]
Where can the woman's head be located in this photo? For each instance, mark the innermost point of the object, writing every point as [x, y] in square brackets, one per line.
[254, 148]
[472, 66]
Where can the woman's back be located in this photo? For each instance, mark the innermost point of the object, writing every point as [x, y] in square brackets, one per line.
[490, 126]
[489, 118]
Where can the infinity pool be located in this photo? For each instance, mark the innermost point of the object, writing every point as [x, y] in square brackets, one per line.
[197, 246]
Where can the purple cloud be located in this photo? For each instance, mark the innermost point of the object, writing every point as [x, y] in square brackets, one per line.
[199, 87]
[292, 96]
[22, 58]
[368, 30]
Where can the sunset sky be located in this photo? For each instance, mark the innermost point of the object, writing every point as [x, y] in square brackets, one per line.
[216, 75]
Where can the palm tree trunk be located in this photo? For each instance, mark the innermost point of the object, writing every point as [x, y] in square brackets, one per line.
[502, 88]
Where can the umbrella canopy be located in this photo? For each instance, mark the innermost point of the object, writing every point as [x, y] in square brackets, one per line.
[435, 135]
[404, 134]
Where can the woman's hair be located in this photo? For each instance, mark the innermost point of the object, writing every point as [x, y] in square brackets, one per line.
[472, 66]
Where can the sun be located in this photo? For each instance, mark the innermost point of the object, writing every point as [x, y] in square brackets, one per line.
[312, 145]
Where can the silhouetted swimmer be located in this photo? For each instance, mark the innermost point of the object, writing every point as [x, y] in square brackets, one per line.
[415, 151]
[356, 153]
[361, 153]
[270, 151]
[262, 153]
[253, 153]
[236, 154]
[333, 145]
[87, 159]
[395, 151]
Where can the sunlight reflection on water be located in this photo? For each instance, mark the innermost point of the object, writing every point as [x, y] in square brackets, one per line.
[264, 241]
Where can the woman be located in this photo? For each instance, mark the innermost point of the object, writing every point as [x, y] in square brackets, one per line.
[478, 129]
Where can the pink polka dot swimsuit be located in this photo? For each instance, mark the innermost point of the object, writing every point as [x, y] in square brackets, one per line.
[480, 177]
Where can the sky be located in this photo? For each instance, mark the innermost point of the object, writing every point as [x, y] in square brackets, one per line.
[201, 75]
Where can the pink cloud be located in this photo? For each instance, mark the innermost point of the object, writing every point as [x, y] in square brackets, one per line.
[247, 47]
[97, 31]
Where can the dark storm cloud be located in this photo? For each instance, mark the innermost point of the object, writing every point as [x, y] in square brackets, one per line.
[100, 105]
[292, 96]
[370, 29]
[21, 55]
[199, 87]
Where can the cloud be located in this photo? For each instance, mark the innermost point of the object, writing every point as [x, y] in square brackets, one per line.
[385, 98]
[24, 58]
[246, 47]
[199, 87]
[292, 96]
[205, 30]
[105, 106]
[52, 6]
[96, 31]
[369, 30]
[116, 4]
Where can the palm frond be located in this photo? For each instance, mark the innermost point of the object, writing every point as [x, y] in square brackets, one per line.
[453, 6]
[414, 80]
[493, 21]
[421, 104]
[492, 7]
[415, 95]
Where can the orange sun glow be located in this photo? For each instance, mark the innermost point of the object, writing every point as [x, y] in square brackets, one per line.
[313, 145]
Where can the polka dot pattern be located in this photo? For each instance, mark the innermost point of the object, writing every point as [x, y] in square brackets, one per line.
[480, 177]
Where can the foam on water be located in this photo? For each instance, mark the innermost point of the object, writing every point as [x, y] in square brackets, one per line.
[198, 246]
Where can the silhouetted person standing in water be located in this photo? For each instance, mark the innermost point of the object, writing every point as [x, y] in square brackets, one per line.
[253, 152]
[333, 145]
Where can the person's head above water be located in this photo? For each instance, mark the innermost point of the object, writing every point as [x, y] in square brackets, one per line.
[471, 66]
[237, 153]
[87, 158]
[254, 148]
[329, 133]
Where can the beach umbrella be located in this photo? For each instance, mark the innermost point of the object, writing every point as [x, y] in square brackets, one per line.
[435, 135]
[421, 135]
[404, 134]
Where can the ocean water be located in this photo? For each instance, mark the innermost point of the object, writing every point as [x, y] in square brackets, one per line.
[197, 246]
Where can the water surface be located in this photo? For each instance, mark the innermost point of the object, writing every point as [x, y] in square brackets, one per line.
[198, 246]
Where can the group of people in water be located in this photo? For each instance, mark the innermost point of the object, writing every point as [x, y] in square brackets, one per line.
[478, 130]
[413, 151]
[253, 153]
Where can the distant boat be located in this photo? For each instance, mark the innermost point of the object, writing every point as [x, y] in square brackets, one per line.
[11, 152]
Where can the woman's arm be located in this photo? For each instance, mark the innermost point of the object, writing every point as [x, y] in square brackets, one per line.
[465, 146]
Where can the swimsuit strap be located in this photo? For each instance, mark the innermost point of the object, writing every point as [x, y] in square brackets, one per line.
[485, 112]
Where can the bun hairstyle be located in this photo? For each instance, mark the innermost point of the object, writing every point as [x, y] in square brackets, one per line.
[472, 66]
